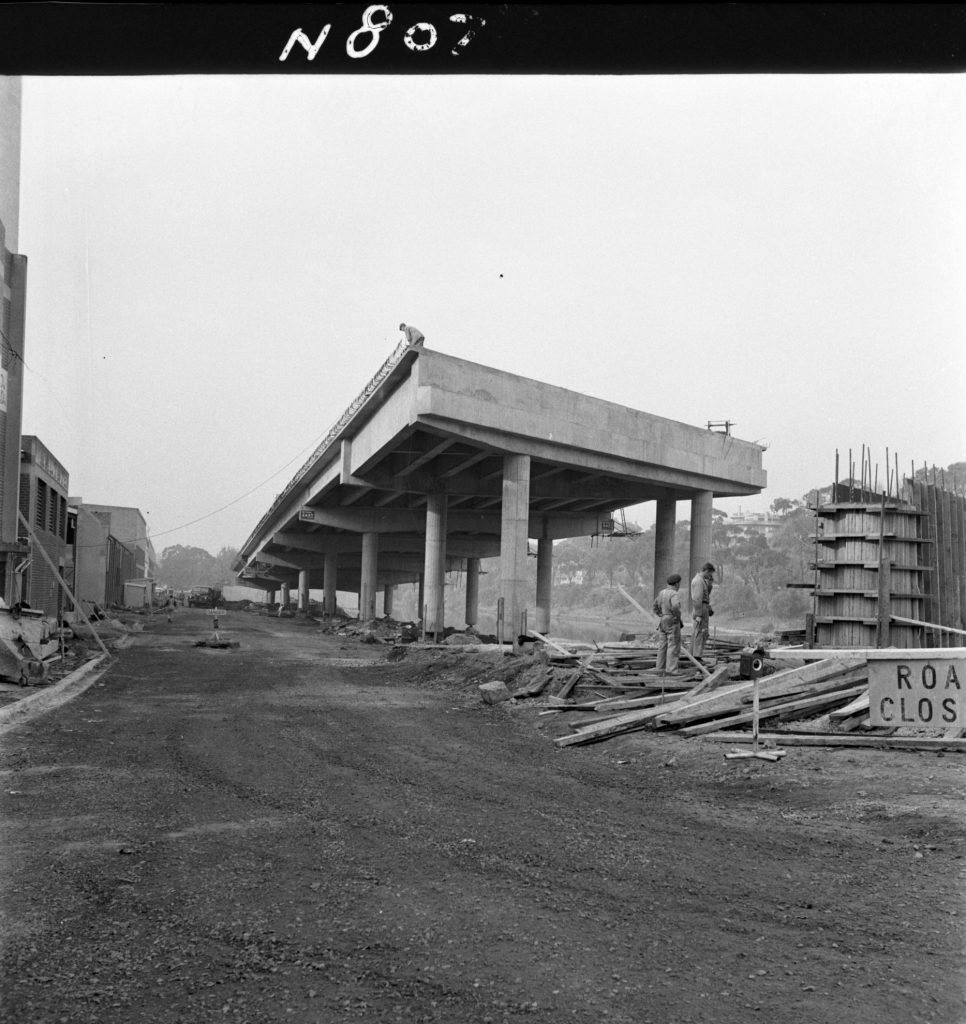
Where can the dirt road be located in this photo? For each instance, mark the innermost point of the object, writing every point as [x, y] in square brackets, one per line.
[299, 830]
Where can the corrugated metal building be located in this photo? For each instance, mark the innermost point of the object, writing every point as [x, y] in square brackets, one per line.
[111, 547]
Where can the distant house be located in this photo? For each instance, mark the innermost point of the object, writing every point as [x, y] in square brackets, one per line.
[111, 549]
[760, 522]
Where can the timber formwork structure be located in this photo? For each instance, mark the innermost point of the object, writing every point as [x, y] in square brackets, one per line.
[870, 567]
[943, 525]
[890, 571]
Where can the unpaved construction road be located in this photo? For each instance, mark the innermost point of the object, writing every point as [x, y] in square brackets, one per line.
[299, 830]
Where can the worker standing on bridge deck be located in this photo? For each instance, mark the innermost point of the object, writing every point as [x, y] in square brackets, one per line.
[414, 336]
[667, 605]
[701, 611]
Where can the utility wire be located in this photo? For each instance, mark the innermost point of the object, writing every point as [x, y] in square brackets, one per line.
[235, 501]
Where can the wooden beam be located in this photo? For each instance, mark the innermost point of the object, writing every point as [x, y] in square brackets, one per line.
[550, 643]
[773, 711]
[794, 739]
[727, 698]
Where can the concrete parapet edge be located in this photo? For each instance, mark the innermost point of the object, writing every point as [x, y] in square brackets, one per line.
[67, 688]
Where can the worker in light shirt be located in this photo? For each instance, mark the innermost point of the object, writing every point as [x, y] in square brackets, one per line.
[701, 611]
[414, 336]
[667, 605]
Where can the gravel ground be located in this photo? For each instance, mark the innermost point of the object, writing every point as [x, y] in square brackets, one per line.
[301, 829]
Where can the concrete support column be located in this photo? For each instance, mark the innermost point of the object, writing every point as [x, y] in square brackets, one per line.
[472, 591]
[367, 584]
[434, 572]
[270, 597]
[544, 583]
[514, 529]
[664, 542]
[700, 534]
[330, 581]
[286, 595]
[387, 595]
[303, 592]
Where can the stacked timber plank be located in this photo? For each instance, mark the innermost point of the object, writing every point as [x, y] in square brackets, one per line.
[835, 689]
[716, 702]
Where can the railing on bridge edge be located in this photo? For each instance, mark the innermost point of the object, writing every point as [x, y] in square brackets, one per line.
[357, 403]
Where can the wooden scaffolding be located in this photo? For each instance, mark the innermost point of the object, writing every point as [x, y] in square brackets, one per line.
[890, 571]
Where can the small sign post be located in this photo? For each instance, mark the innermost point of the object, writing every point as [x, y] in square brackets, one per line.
[761, 755]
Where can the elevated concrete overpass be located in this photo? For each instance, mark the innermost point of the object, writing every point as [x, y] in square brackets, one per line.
[441, 462]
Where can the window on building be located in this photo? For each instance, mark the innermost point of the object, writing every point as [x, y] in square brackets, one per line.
[54, 508]
[41, 515]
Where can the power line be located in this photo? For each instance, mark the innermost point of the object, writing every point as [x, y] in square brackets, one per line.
[215, 512]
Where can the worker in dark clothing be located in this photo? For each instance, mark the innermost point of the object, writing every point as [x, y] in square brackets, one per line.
[667, 605]
[414, 336]
[701, 612]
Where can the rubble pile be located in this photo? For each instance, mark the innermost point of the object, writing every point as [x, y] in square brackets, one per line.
[609, 689]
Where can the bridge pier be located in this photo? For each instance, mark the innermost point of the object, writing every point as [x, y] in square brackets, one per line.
[472, 591]
[303, 592]
[544, 583]
[700, 534]
[330, 582]
[434, 573]
[664, 523]
[367, 584]
[514, 528]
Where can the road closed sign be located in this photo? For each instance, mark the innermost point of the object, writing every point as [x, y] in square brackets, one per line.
[917, 690]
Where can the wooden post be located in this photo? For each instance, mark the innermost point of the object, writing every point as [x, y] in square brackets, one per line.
[884, 582]
[755, 710]
[935, 532]
[884, 614]
[926, 555]
[950, 590]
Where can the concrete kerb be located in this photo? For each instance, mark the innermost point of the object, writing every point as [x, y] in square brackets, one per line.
[66, 689]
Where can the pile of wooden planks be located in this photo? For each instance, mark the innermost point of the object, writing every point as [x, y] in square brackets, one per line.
[717, 702]
[720, 708]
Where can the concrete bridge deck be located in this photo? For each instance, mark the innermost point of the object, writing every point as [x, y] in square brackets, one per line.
[441, 462]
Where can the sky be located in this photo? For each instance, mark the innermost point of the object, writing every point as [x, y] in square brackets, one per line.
[218, 264]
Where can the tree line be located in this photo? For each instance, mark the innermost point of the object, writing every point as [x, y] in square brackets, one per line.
[754, 566]
[181, 567]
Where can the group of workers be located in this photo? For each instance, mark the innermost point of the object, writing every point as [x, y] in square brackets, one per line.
[667, 606]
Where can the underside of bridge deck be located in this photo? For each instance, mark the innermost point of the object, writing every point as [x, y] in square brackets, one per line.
[442, 462]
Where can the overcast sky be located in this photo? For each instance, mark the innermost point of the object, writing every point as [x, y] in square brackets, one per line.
[218, 264]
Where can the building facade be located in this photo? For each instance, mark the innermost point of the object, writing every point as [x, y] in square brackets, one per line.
[111, 548]
[43, 504]
[13, 305]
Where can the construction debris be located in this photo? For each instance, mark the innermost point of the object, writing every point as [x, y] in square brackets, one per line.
[217, 643]
[610, 689]
[494, 692]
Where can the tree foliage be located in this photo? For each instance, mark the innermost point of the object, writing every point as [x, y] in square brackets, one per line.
[182, 567]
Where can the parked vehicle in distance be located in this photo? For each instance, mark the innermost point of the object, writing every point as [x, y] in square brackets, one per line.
[203, 597]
